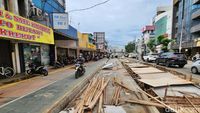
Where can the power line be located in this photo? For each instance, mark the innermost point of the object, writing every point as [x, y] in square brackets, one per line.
[75, 10]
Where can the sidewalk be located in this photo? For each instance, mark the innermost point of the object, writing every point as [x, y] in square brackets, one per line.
[23, 76]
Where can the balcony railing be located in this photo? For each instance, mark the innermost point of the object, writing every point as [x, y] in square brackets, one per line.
[196, 2]
[196, 14]
[195, 28]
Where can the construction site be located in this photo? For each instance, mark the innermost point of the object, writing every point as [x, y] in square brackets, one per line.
[129, 86]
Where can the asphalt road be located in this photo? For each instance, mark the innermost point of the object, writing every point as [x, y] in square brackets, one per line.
[37, 94]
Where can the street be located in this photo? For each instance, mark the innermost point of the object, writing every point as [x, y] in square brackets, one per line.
[24, 96]
[99, 56]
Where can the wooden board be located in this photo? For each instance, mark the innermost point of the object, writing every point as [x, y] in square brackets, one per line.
[156, 75]
[164, 81]
[146, 70]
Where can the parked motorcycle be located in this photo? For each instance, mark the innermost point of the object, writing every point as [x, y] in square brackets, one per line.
[34, 69]
[80, 70]
[58, 64]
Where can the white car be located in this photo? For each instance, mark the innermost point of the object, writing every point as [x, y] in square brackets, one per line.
[150, 57]
[195, 67]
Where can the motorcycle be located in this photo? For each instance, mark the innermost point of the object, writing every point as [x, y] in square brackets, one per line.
[33, 69]
[58, 64]
[80, 70]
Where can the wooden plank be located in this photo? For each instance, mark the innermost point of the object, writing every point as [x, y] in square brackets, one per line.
[117, 96]
[94, 101]
[142, 102]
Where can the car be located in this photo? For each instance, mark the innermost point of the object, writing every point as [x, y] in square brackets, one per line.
[195, 67]
[150, 57]
[132, 55]
[172, 58]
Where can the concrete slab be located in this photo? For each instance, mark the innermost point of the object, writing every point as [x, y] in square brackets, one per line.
[146, 70]
[178, 91]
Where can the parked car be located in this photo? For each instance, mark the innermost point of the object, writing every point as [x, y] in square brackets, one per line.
[132, 55]
[150, 57]
[195, 67]
[171, 58]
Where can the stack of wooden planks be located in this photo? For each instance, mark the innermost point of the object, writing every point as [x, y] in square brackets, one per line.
[92, 96]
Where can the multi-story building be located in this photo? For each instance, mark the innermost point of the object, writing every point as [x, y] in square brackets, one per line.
[66, 40]
[21, 39]
[147, 33]
[163, 24]
[163, 21]
[185, 26]
[28, 35]
[100, 41]
[87, 44]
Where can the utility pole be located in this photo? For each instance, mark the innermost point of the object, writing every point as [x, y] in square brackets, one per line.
[182, 22]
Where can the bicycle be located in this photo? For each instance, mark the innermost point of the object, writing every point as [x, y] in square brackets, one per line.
[7, 71]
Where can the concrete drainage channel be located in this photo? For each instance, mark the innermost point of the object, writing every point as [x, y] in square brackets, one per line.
[63, 102]
[173, 89]
[181, 75]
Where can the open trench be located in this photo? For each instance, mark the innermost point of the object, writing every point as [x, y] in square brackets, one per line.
[179, 93]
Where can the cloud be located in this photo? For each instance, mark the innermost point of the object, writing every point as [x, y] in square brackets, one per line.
[122, 20]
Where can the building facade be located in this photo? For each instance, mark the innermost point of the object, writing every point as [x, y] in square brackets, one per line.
[87, 44]
[100, 42]
[66, 40]
[147, 34]
[185, 26]
[22, 40]
[163, 22]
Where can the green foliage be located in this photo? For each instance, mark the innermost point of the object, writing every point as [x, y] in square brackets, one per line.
[165, 42]
[130, 47]
[152, 44]
[159, 39]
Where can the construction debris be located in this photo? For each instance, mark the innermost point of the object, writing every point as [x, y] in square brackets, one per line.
[164, 88]
[112, 91]
[108, 66]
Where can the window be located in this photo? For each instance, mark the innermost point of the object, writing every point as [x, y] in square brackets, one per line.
[22, 9]
[6, 5]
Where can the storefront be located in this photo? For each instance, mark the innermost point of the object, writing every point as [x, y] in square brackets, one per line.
[23, 41]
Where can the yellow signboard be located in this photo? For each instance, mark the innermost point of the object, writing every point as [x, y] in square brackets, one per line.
[91, 46]
[18, 28]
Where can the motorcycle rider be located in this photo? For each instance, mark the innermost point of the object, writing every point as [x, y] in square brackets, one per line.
[80, 60]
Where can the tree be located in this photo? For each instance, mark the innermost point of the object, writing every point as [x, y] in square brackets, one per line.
[161, 40]
[130, 47]
[152, 45]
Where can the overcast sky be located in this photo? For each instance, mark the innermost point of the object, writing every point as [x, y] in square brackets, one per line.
[122, 20]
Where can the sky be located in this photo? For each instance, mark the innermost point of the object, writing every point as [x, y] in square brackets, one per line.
[121, 20]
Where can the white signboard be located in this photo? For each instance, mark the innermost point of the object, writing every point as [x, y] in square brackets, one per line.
[60, 21]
